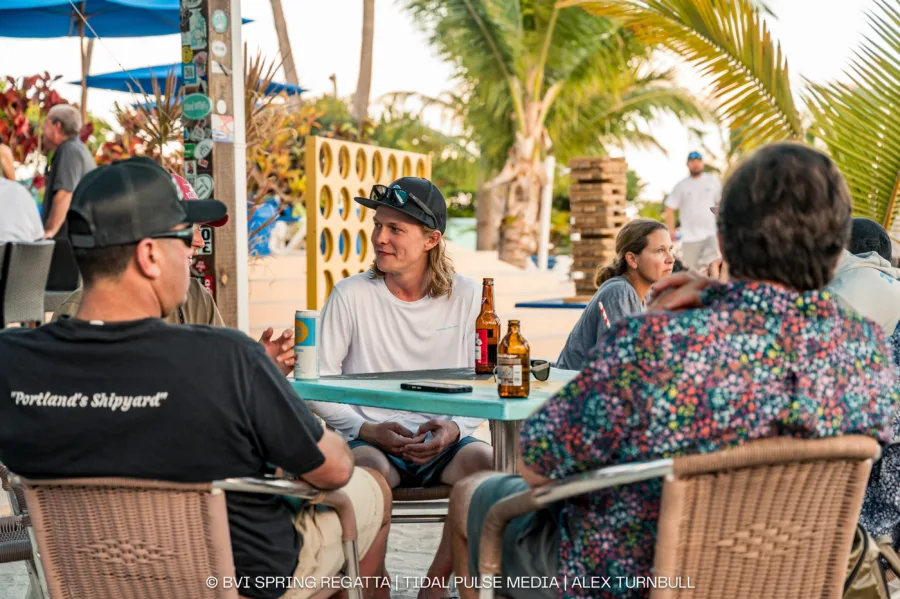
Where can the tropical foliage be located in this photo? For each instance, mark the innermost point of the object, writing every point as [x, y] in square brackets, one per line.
[534, 80]
[728, 41]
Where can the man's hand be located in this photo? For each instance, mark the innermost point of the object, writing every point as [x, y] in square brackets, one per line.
[281, 350]
[444, 434]
[718, 269]
[681, 291]
[390, 437]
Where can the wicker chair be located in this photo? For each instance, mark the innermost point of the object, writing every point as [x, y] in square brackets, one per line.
[772, 518]
[15, 542]
[24, 277]
[108, 538]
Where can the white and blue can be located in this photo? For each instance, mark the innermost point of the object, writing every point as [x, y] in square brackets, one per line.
[306, 349]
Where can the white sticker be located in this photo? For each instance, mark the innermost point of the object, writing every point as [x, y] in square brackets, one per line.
[217, 68]
[203, 185]
[221, 107]
[203, 149]
[219, 48]
[206, 233]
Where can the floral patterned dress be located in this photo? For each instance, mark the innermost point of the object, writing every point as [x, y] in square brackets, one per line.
[757, 361]
[881, 507]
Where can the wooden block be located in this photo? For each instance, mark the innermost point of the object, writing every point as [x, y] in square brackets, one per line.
[578, 299]
[604, 188]
[596, 174]
[595, 161]
[607, 209]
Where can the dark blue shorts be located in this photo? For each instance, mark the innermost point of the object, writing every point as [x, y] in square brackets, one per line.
[427, 475]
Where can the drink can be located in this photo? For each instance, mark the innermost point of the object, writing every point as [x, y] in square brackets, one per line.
[306, 349]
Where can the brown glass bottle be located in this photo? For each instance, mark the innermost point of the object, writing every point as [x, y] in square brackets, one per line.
[513, 364]
[487, 332]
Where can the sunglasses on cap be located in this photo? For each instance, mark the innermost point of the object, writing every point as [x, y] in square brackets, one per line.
[394, 196]
[185, 235]
[540, 370]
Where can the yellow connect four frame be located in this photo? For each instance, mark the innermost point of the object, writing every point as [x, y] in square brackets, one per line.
[338, 229]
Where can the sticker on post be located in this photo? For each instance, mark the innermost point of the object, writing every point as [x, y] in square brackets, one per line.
[209, 285]
[219, 69]
[206, 233]
[223, 128]
[200, 266]
[203, 149]
[187, 54]
[189, 150]
[196, 106]
[219, 21]
[189, 73]
[190, 168]
[203, 185]
[197, 27]
[219, 48]
[200, 59]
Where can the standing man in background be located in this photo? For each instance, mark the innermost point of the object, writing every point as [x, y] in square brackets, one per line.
[70, 162]
[692, 198]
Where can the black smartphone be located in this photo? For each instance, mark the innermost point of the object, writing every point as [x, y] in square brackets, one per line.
[435, 387]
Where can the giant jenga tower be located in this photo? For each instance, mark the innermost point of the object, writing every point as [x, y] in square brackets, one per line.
[597, 199]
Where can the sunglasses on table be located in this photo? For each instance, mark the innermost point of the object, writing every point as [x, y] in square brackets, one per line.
[185, 235]
[394, 196]
[540, 370]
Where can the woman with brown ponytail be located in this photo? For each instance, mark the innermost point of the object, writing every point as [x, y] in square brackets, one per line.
[643, 256]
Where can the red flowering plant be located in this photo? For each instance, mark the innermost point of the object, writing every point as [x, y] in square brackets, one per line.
[24, 104]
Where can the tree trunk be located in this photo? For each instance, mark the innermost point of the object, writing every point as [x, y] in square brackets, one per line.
[364, 83]
[487, 216]
[519, 228]
[284, 44]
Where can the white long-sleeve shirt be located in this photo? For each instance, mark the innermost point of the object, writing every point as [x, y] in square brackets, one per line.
[366, 329]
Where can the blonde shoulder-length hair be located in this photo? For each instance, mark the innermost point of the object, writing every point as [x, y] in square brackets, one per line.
[440, 269]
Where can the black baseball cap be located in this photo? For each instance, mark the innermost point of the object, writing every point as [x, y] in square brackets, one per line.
[130, 200]
[423, 190]
[868, 236]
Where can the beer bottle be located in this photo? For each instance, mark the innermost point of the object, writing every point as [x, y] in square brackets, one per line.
[513, 363]
[487, 332]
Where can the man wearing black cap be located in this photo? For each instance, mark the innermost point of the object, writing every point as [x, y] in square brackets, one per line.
[692, 198]
[115, 391]
[865, 281]
[410, 311]
[198, 306]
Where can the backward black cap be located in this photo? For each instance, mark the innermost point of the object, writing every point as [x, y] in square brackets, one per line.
[124, 202]
[427, 192]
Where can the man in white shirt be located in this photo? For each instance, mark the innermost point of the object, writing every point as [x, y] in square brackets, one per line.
[692, 198]
[19, 217]
[410, 311]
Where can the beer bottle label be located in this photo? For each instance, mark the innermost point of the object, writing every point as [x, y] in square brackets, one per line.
[481, 346]
[509, 370]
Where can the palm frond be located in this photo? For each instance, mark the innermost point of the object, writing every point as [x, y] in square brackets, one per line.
[730, 43]
[858, 119]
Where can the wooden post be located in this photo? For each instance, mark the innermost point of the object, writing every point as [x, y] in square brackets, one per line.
[215, 148]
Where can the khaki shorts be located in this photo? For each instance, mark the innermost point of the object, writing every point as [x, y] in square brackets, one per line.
[322, 555]
[697, 255]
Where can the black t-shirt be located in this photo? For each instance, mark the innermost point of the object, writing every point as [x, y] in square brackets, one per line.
[145, 399]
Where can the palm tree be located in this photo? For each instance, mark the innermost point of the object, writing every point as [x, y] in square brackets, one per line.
[284, 44]
[728, 41]
[364, 82]
[536, 79]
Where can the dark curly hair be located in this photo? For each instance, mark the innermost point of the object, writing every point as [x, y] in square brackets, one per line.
[785, 217]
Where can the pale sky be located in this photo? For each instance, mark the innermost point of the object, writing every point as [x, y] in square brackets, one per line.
[817, 36]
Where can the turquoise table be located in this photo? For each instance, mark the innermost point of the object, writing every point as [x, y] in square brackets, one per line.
[383, 390]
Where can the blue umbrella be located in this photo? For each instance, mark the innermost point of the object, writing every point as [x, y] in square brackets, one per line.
[124, 81]
[108, 18]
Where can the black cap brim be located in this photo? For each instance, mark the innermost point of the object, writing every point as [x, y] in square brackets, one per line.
[204, 211]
